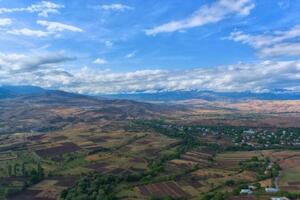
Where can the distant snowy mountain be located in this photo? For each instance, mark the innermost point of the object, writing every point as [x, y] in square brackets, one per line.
[208, 95]
[8, 91]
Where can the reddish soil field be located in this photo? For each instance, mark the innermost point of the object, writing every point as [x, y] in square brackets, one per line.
[11, 179]
[294, 183]
[99, 167]
[143, 142]
[67, 147]
[117, 171]
[195, 184]
[98, 139]
[28, 195]
[65, 181]
[242, 198]
[163, 189]
[151, 152]
[290, 188]
[194, 159]
[59, 138]
[35, 137]
[120, 171]
[172, 145]
[137, 160]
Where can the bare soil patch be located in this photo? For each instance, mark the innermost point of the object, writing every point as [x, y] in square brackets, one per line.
[163, 189]
[67, 147]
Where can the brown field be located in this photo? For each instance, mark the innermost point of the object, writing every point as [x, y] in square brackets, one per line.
[190, 159]
[99, 167]
[163, 189]
[27, 195]
[59, 138]
[212, 173]
[67, 147]
[65, 181]
[35, 137]
[149, 146]
[231, 160]
[48, 189]
[242, 198]
[266, 183]
[7, 155]
[262, 113]
[137, 160]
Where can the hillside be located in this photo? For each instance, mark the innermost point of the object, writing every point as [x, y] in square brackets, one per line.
[36, 109]
[33, 109]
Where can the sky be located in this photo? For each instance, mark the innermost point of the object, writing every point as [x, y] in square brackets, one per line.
[128, 46]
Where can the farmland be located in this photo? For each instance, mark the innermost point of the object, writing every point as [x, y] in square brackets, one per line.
[88, 151]
[144, 160]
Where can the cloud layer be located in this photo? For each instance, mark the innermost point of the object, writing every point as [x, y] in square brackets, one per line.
[5, 21]
[20, 63]
[277, 43]
[115, 7]
[206, 15]
[49, 71]
[52, 28]
[43, 9]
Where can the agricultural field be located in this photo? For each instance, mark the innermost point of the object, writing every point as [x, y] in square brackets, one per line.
[136, 163]
[290, 174]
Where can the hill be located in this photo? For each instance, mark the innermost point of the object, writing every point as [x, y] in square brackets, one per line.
[26, 109]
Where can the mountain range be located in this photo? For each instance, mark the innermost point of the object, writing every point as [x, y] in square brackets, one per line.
[208, 96]
[9, 91]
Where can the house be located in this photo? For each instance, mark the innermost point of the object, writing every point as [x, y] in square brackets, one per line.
[271, 190]
[246, 191]
[279, 198]
[251, 187]
[250, 131]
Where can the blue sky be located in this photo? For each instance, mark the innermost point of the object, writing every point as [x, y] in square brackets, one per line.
[100, 46]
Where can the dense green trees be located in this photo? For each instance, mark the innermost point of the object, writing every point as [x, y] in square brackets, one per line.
[93, 187]
[215, 196]
[36, 175]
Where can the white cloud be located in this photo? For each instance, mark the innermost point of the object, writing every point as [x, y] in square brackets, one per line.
[100, 61]
[277, 43]
[108, 43]
[58, 27]
[131, 55]
[287, 49]
[49, 71]
[205, 15]
[26, 63]
[43, 9]
[52, 28]
[261, 40]
[5, 21]
[115, 7]
[29, 32]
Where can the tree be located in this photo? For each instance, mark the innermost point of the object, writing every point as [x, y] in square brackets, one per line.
[9, 169]
[23, 169]
[16, 168]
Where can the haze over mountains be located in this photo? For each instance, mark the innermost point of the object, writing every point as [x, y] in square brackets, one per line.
[29, 108]
[10, 91]
[209, 96]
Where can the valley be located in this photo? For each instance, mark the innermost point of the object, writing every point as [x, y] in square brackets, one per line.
[65, 146]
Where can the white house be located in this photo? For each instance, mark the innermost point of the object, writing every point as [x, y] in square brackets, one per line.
[246, 191]
[271, 190]
[279, 198]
